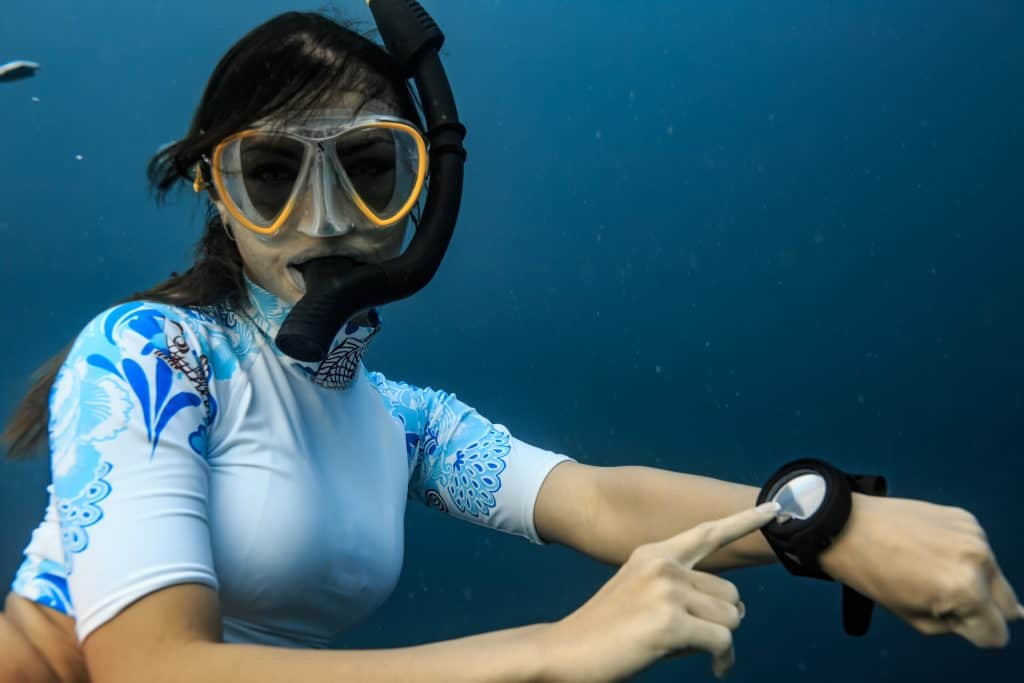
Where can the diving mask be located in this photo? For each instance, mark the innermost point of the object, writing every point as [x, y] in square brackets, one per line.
[324, 176]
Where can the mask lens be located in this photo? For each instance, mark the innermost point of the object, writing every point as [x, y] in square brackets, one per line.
[382, 165]
[260, 173]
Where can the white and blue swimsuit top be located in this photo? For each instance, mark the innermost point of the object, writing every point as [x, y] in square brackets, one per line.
[186, 448]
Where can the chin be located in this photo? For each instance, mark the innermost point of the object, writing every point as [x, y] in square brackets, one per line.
[290, 289]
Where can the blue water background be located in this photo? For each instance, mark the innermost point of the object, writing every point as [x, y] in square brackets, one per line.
[700, 236]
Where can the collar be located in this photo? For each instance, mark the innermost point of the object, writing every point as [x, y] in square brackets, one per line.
[338, 370]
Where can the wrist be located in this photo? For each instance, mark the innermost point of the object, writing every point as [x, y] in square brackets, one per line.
[843, 554]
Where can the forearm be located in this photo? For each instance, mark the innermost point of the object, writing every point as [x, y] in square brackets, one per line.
[507, 655]
[644, 504]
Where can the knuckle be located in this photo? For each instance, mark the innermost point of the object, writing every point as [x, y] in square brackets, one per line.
[731, 592]
[639, 553]
[667, 593]
[963, 591]
[704, 531]
[976, 552]
[729, 614]
[966, 517]
[662, 567]
[733, 619]
[723, 639]
[1003, 638]
[670, 619]
[928, 626]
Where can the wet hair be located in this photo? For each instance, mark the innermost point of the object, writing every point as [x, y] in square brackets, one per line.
[291, 64]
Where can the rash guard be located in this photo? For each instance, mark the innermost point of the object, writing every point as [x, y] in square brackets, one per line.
[186, 448]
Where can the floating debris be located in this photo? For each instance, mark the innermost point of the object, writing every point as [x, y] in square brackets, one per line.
[18, 69]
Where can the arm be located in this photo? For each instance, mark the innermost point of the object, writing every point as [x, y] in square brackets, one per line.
[466, 466]
[929, 564]
[173, 634]
[625, 507]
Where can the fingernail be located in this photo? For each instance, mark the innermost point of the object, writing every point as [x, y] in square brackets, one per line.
[1020, 611]
[742, 609]
[771, 506]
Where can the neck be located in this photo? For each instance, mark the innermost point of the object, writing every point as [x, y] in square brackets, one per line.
[267, 311]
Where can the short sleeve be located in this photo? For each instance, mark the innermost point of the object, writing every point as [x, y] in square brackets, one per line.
[129, 414]
[462, 464]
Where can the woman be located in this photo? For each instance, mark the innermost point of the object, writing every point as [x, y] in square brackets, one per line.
[215, 501]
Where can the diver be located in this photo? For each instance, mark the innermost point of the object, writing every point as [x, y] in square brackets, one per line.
[230, 481]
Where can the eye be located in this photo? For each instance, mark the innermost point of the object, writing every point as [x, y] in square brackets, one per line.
[272, 173]
[369, 167]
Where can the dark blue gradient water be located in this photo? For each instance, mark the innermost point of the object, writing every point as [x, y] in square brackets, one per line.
[706, 237]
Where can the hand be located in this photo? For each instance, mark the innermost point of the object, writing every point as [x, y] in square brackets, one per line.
[656, 606]
[929, 564]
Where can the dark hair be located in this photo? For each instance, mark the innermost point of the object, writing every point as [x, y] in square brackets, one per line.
[294, 62]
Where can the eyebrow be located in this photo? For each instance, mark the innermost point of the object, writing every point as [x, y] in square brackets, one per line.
[364, 144]
[271, 148]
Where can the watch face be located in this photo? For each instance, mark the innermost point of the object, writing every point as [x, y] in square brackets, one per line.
[799, 496]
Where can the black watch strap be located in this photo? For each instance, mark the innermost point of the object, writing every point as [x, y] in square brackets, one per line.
[799, 543]
[857, 608]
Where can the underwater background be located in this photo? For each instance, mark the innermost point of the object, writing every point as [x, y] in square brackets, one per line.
[701, 236]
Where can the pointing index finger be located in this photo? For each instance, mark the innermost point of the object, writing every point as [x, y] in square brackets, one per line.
[726, 530]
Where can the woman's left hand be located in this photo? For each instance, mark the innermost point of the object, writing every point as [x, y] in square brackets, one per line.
[929, 564]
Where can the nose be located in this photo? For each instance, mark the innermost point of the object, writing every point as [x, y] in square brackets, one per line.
[321, 214]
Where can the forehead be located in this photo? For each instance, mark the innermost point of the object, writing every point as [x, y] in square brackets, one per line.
[340, 112]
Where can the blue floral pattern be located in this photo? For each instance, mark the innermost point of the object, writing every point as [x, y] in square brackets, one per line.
[44, 581]
[455, 455]
[231, 339]
[122, 364]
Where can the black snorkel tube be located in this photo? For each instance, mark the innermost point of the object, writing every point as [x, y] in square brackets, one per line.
[338, 287]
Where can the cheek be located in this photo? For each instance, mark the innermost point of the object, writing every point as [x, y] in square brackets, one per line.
[390, 244]
[258, 256]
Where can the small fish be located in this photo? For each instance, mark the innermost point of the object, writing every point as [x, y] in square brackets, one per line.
[16, 70]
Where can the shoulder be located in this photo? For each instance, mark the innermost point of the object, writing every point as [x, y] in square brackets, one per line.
[385, 386]
[138, 358]
[141, 328]
[418, 405]
[211, 336]
[397, 393]
[140, 338]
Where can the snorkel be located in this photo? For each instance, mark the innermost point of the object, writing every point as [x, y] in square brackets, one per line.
[338, 287]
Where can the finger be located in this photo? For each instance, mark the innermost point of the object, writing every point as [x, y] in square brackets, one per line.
[1005, 597]
[929, 625]
[712, 609]
[984, 629]
[685, 652]
[720, 666]
[697, 543]
[723, 589]
[713, 638]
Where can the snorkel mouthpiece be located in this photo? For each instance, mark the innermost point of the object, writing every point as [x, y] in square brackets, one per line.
[337, 287]
[309, 329]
